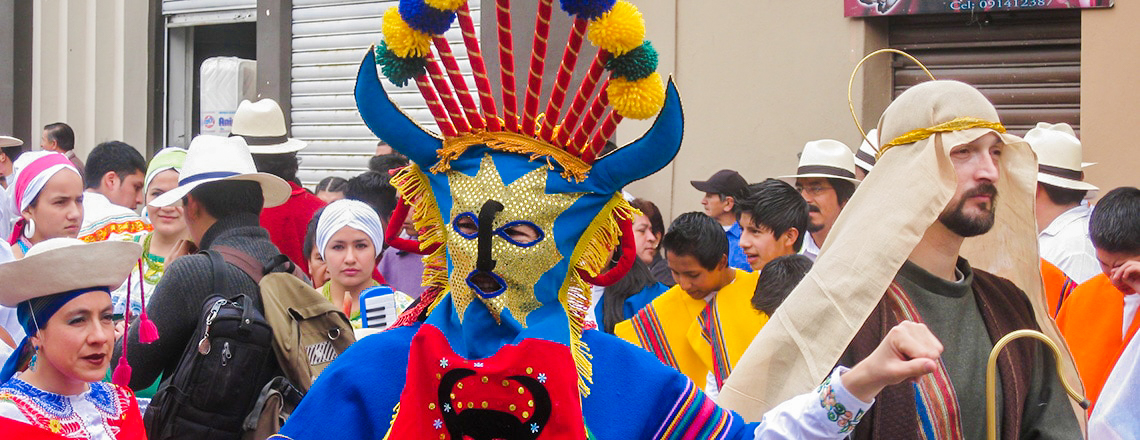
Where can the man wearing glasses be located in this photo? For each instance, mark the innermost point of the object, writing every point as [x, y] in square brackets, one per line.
[826, 180]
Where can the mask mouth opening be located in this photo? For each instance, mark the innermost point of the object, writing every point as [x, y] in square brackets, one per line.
[487, 284]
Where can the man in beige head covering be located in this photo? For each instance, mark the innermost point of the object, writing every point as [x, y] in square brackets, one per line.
[948, 186]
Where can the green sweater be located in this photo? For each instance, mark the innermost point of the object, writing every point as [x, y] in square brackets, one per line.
[951, 312]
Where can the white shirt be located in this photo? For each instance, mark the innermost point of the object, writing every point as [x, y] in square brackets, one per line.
[91, 408]
[1114, 416]
[1065, 243]
[1131, 304]
[806, 416]
[6, 217]
[809, 249]
[100, 214]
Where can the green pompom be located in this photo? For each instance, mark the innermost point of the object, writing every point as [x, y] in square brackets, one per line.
[635, 64]
[399, 70]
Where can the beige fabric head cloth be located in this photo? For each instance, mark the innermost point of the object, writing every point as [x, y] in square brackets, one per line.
[914, 183]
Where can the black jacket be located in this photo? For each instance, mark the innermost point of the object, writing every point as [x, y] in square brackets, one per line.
[177, 302]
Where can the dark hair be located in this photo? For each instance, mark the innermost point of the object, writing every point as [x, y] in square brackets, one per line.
[112, 156]
[385, 163]
[699, 236]
[374, 189]
[284, 165]
[777, 279]
[226, 198]
[1115, 223]
[776, 206]
[13, 153]
[62, 134]
[843, 189]
[311, 234]
[331, 184]
[614, 295]
[1063, 196]
[656, 224]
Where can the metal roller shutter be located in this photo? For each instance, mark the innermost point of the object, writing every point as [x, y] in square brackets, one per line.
[329, 39]
[202, 12]
[1028, 64]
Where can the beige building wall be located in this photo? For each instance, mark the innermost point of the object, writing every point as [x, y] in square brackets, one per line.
[1110, 99]
[90, 63]
[757, 80]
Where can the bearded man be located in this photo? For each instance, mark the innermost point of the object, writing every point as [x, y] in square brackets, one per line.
[948, 183]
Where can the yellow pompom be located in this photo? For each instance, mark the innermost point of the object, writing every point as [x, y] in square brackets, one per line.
[620, 30]
[445, 5]
[641, 99]
[402, 40]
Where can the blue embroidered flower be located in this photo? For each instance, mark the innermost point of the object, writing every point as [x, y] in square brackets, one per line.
[534, 428]
[447, 407]
[541, 377]
[105, 398]
[443, 363]
[437, 424]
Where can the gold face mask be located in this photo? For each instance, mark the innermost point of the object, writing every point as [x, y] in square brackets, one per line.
[519, 239]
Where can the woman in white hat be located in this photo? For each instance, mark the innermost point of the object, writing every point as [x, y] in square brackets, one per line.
[53, 383]
[350, 237]
[47, 192]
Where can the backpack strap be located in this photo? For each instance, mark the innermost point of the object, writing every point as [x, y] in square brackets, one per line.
[217, 264]
[242, 260]
[255, 268]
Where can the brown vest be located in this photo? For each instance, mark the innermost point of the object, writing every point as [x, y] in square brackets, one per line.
[1004, 308]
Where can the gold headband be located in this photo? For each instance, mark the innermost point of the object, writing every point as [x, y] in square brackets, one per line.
[572, 166]
[956, 124]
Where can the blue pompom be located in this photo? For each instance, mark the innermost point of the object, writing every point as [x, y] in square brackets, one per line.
[424, 18]
[587, 9]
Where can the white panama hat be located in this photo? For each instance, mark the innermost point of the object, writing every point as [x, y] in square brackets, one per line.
[9, 141]
[826, 158]
[64, 264]
[216, 158]
[262, 125]
[1059, 155]
[865, 158]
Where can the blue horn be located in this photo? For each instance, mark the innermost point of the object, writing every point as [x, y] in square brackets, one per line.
[647, 155]
[388, 122]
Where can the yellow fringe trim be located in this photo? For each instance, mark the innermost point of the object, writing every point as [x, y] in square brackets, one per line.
[593, 255]
[572, 167]
[956, 124]
[395, 412]
[413, 185]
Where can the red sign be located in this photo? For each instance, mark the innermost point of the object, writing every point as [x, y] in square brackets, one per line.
[871, 8]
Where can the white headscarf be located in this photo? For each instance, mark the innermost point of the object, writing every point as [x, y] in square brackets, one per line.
[354, 214]
[20, 201]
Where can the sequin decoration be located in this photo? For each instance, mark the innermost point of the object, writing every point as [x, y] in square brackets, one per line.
[520, 267]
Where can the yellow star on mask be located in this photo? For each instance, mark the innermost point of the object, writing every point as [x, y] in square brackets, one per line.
[519, 266]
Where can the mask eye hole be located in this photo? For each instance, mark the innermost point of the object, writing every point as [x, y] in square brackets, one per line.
[521, 233]
[466, 225]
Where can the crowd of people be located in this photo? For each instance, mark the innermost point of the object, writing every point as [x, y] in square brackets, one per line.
[501, 283]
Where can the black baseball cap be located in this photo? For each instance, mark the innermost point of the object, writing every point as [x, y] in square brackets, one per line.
[727, 182]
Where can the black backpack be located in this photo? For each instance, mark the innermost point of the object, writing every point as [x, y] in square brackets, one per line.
[224, 369]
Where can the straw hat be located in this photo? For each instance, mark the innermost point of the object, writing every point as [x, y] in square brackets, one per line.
[61, 265]
[1058, 156]
[868, 150]
[9, 141]
[826, 158]
[216, 158]
[262, 125]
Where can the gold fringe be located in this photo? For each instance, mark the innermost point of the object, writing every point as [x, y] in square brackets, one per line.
[395, 412]
[413, 185]
[956, 124]
[572, 166]
[593, 255]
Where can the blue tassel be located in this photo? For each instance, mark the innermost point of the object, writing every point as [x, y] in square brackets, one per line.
[587, 9]
[426, 19]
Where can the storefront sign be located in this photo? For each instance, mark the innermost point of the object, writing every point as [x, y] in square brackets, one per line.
[870, 8]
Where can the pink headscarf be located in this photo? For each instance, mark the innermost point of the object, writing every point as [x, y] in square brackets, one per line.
[32, 172]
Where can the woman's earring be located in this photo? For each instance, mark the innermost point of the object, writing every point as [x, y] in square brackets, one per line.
[35, 354]
[30, 229]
